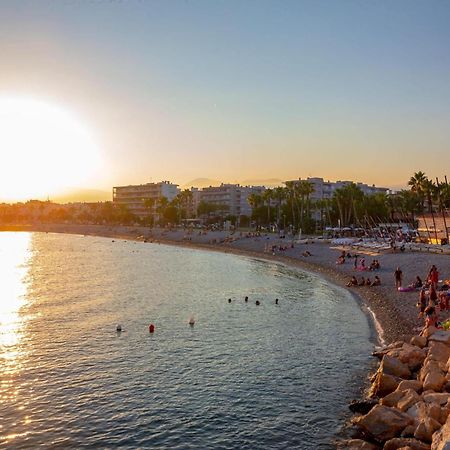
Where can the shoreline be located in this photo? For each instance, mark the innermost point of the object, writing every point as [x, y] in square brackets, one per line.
[392, 315]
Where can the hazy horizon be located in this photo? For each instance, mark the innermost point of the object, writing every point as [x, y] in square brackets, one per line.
[99, 94]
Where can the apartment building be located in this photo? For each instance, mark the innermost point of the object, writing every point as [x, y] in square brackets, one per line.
[134, 196]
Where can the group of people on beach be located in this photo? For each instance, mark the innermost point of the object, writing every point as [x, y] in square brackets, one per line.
[359, 265]
[364, 281]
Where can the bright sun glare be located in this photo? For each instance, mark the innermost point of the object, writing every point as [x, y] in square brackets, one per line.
[44, 149]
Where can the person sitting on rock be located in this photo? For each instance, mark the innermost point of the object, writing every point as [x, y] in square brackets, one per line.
[362, 282]
[353, 282]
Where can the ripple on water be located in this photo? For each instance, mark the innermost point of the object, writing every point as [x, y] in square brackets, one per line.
[243, 377]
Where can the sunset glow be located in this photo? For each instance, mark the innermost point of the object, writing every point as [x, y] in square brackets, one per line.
[44, 149]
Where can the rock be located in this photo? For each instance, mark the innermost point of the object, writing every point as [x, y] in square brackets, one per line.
[441, 439]
[398, 443]
[362, 407]
[410, 384]
[441, 336]
[434, 381]
[426, 428]
[409, 354]
[429, 365]
[393, 366]
[393, 398]
[443, 415]
[356, 444]
[418, 411]
[429, 331]
[438, 352]
[383, 385]
[419, 341]
[409, 398]
[440, 398]
[384, 423]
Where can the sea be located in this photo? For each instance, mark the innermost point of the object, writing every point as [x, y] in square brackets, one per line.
[242, 376]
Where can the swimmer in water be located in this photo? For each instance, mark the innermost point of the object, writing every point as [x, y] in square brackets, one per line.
[276, 301]
[246, 299]
[229, 300]
[257, 303]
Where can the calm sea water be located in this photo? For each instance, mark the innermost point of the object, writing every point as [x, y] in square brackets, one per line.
[244, 377]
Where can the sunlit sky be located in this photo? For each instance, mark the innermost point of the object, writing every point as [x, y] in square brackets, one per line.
[228, 90]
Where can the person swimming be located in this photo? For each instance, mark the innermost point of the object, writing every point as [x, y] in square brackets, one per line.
[257, 303]
[246, 299]
[229, 300]
[276, 301]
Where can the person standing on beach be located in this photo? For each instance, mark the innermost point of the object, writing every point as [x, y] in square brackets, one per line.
[398, 275]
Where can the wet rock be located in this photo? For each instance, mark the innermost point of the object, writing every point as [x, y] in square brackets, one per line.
[384, 423]
[362, 406]
[356, 444]
[398, 443]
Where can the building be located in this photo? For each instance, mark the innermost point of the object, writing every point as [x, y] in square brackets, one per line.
[134, 196]
[325, 189]
[231, 198]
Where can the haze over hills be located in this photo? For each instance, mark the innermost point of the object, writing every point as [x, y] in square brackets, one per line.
[81, 195]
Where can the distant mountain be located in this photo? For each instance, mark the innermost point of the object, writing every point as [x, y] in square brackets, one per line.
[200, 183]
[81, 195]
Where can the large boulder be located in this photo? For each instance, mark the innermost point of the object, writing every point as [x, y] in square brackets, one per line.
[409, 398]
[384, 423]
[410, 384]
[409, 354]
[362, 406]
[383, 384]
[393, 366]
[434, 381]
[441, 336]
[441, 439]
[426, 428]
[438, 352]
[398, 443]
[393, 398]
[436, 397]
[419, 341]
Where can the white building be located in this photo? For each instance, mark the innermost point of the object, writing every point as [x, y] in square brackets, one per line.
[134, 196]
[233, 198]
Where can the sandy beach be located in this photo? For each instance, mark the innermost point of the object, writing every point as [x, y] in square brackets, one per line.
[394, 313]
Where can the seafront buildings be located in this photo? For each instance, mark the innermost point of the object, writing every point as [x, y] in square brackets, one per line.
[228, 199]
[134, 196]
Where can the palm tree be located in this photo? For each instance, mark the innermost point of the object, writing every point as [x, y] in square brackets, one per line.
[304, 189]
[418, 185]
[290, 191]
[279, 194]
[267, 197]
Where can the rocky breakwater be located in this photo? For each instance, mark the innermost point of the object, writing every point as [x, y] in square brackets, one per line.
[408, 402]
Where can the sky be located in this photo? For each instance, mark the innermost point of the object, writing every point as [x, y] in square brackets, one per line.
[236, 90]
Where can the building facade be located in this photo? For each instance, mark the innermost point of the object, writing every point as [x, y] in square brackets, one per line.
[134, 196]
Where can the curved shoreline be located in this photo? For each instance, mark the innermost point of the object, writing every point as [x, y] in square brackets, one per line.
[392, 314]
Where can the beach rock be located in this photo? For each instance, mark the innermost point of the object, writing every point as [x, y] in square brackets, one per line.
[408, 432]
[384, 423]
[393, 366]
[409, 398]
[383, 385]
[419, 341]
[441, 336]
[441, 439]
[410, 384]
[444, 415]
[429, 331]
[426, 428]
[438, 352]
[380, 352]
[356, 444]
[398, 443]
[392, 399]
[441, 398]
[418, 411]
[409, 354]
[434, 380]
[362, 406]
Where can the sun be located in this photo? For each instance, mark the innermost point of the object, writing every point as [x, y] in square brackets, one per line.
[44, 149]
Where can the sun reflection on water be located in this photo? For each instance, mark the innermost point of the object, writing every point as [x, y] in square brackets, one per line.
[15, 255]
